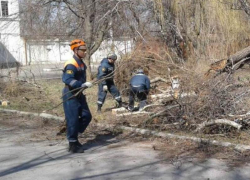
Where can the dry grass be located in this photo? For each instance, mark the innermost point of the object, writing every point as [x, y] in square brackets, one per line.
[33, 97]
[45, 95]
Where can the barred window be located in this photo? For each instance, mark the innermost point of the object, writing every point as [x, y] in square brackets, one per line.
[4, 8]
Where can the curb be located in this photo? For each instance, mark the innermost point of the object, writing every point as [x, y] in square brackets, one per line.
[239, 147]
[43, 115]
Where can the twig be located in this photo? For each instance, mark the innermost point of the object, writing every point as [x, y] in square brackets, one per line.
[159, 113]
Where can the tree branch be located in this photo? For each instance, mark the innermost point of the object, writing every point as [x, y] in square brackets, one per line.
[218, 121]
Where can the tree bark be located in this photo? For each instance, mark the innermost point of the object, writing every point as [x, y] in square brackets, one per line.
[238, 56]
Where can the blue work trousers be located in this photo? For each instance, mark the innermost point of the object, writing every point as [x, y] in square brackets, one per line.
[113, 91]
[77, 114]
[138, 94]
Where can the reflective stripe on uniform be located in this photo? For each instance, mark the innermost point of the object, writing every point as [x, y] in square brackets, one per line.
[72, 82]
[99, 102]
[136, 85]
[74, 63]
[72, 140]
[118, 97]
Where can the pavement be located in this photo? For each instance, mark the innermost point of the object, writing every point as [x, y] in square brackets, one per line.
[21, 157]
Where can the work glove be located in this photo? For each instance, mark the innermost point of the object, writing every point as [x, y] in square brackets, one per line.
[105, 88]
[87, 84]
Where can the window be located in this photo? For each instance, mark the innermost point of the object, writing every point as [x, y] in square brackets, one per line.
[4, 8]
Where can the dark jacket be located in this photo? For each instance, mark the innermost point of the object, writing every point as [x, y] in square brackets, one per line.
[74, 73]
[140, 81]
[105, 69]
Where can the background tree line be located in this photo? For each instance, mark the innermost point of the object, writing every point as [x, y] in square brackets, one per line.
[193, 30]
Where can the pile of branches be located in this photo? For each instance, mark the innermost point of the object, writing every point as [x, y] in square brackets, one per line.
[215, 106]
[200, 104]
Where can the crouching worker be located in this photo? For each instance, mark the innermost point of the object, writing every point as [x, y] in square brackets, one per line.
[106, 72]
[76, 109]
[139, 88]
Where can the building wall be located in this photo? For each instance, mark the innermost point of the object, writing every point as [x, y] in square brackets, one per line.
[47, 51]
[56, 51]
[10, 33]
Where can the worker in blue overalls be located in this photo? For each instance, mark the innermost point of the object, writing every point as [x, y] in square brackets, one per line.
[76, 109]
[139, 88]
[106, 70]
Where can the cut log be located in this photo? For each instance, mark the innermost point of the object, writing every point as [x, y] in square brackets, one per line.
[166, 97]
[118, 110]
[161, 96]
[137, 113]
[168, 90]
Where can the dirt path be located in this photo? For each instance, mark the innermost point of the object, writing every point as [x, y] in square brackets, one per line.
[30, 149]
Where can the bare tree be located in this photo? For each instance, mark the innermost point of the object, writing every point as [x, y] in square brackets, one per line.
[88, 19]
[92, 20]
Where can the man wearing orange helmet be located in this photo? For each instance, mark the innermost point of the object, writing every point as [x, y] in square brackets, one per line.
[76, 109]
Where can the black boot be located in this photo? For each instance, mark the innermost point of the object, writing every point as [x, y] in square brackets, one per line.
[75, 148]
[78, 144]
[99, 108]
[119, 104]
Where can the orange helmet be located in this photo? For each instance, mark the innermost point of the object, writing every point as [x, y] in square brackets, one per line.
[76, 43]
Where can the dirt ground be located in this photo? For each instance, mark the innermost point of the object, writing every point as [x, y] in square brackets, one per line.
[31, 149]
[42, 130]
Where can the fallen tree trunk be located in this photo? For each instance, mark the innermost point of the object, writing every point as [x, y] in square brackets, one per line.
[233, 59]
[232, 63]
[170, 96]
[168, 90]
[218, 121]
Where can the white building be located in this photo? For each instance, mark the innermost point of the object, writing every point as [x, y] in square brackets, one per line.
[11, 44]
[15, 48]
